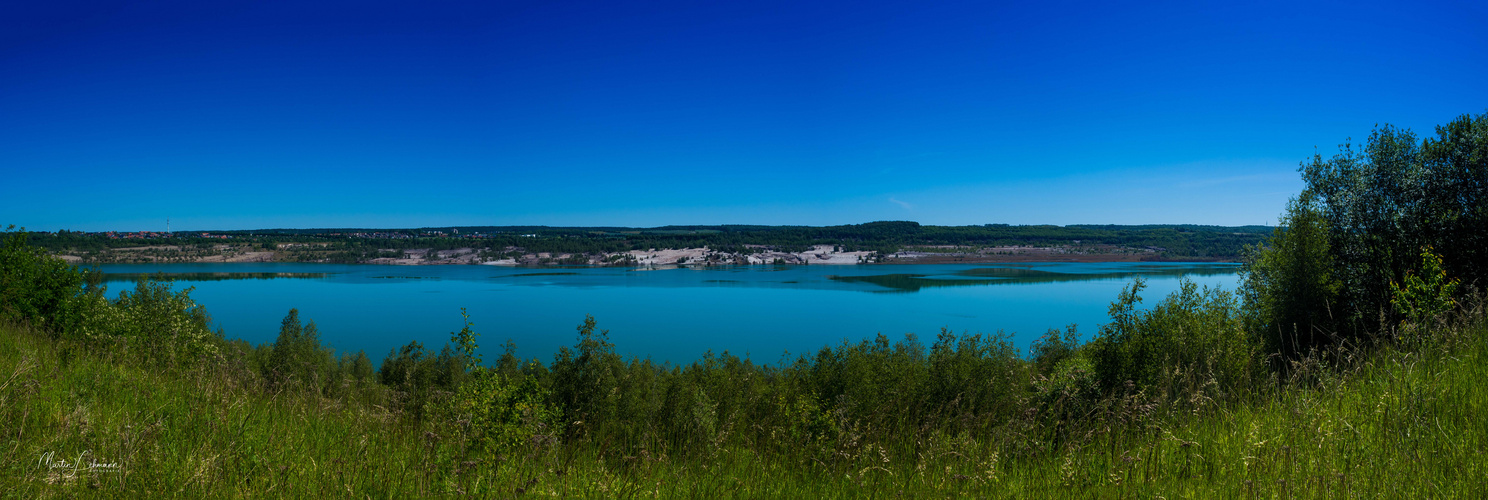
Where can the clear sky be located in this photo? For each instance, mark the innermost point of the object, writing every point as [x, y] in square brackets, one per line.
[255, 114]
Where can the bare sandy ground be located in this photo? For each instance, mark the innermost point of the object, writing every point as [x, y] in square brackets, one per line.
[430, 257]
[820, 254]
[668, 256]
[240, 257]
[826, 254]
[252, 257]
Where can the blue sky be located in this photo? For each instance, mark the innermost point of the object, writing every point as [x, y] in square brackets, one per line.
[238, 115]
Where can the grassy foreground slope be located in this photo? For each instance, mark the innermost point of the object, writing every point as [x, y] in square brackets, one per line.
[1397, 424]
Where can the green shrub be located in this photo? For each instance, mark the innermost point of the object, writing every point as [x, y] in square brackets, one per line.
[875, 382]
[1053, 347]
[297, 357]
[1426, 296]
[497, 413]
[154, 324]
[1066, 397]
[1288, 284]
[358, 367]
[419, 378]
[37, 288]
[584, 377]
[1188, 347]
[981, 377]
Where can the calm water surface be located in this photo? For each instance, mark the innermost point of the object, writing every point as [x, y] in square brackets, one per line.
[666, 314]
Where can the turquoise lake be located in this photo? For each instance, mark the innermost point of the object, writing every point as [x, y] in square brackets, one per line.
[671, 315]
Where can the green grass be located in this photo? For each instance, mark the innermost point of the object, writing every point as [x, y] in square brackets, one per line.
[1395, 423]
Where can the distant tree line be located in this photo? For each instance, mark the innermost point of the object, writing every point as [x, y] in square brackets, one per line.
[1174, 241]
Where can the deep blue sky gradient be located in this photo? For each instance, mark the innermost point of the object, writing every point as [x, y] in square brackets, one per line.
[235, 115]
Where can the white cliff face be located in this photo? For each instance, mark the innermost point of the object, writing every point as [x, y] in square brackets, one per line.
[827, 254]
[820, 254]
[670, 256]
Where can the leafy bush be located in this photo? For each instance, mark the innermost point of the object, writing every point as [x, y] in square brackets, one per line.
[358, 367]
[495, 411]
[297, 357]
[498, 413]
[1066, 397]
[153, 324]
[1053, 347]
[977, 376]
[584, 378]
[1190, 346]
[1426, 295]
[35, 287]
[419, 378]
[1288, 285]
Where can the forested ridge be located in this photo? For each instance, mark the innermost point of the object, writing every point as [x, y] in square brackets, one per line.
[361, 244]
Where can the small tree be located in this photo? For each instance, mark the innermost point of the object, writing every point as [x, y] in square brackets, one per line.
[1426, 294]
[361, 367]
[465, 341]
[499, 410]
[1288, 284]
[584, 376]
[297, 353]
[1053, 347]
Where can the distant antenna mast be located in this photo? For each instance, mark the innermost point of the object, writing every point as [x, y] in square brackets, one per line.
[167, 225]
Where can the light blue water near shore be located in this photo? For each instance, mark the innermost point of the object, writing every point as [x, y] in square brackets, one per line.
[665, 314]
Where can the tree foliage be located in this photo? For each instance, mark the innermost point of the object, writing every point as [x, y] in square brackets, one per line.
[345, 245]
[1399, 195]
[296, 355]
[159, 324]
[1192, 343]
[1426, 294]
[36, 287]
[1288, 285]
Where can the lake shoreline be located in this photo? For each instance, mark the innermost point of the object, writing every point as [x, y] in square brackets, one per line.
[817, 255]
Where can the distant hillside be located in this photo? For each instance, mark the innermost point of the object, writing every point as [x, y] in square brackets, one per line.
[873, 241]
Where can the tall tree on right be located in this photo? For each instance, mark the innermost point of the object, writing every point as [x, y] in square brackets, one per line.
[1381, 208]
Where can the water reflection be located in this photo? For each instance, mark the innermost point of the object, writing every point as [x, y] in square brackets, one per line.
[902, 282]
[852, 278]
[208, 276]
[910, 282]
